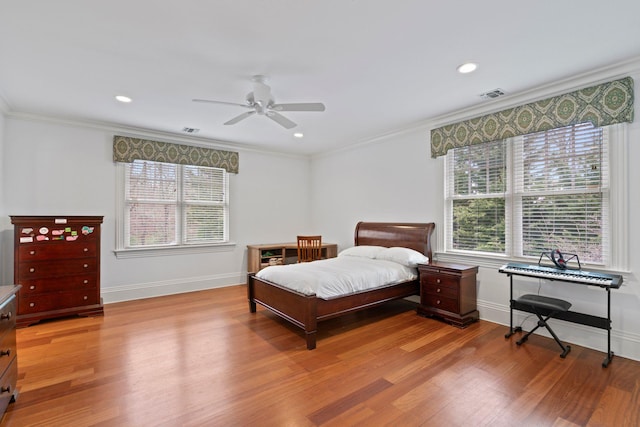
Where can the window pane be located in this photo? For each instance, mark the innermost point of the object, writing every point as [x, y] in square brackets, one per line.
[480, 169]
[564, 159]
[572, 223]
[204, 224]
[203, 184]
[479, 225]
[152, 224]
[151, 181]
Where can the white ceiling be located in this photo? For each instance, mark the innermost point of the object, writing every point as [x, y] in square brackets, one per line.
[377, 65]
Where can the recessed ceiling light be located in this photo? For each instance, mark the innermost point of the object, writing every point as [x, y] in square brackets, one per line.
[298, 134]
[467, 67]
[123, 98]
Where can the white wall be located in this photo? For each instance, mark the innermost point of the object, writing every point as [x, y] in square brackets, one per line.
[4, 220]
[391, 179]
[395, 179]
[53, 168]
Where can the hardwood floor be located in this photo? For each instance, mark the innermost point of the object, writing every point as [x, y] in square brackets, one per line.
[201, 359]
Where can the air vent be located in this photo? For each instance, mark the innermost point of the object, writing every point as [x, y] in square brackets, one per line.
[190, 130]
[492, 94]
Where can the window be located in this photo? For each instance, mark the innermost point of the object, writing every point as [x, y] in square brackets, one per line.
[168, 205]
[530, 194]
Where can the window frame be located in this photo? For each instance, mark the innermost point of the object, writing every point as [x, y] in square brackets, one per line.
[123, 251]
[618, 213]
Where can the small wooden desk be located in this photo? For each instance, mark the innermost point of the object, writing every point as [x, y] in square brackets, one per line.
[262, 255]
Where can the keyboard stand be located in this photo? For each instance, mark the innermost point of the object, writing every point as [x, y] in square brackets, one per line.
[569, 316]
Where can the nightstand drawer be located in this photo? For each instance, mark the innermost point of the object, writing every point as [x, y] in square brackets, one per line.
[444, 291]
[442, 303]
[441, 280]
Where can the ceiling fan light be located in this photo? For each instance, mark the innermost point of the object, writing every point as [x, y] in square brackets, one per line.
[467, 67]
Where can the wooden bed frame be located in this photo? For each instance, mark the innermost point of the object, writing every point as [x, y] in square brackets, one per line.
[305, 311]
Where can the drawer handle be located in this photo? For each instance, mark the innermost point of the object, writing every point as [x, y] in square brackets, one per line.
[86, 249]
[86, 265]
[32, 252]
[32, 304]
[6, 352]
[437, 280]
[438, 290]
[85, 281]
[31, 270]
[85, 297]
[438, 302]
[5, 316]
[32, 287]
[6, 389]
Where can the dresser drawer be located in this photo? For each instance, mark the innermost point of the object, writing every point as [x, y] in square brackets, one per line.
[58, 250]
[41, 269]
[57, 301]
[7, 385]
[8, 316]
[56, 284]
[7, 349]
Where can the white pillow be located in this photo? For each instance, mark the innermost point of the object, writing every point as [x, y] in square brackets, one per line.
[363, 251]
[404, 256]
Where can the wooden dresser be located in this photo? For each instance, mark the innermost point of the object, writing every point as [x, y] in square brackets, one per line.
[448, 291]
[8, 353]
[57, 262]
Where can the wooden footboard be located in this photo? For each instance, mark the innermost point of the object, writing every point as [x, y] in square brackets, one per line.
[297, 308]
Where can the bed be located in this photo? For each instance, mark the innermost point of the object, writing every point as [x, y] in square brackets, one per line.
[306, 310]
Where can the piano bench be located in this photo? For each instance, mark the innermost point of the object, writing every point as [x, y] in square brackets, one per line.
[551, 306]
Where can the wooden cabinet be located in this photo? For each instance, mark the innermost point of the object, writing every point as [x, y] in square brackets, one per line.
[264, 255]
[57, 262]
[448, 291]
[8, 351]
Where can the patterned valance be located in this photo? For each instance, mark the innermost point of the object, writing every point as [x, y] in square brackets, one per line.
[602, 105]
[127, 149]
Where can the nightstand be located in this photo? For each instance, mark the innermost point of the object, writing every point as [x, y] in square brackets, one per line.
[448, 291]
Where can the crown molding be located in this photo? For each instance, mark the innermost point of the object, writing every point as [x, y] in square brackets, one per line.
[138, 132]
[611, 72]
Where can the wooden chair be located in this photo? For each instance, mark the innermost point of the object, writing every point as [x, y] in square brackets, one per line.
[309, 248]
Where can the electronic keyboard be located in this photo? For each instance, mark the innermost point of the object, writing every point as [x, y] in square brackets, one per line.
[603, 280]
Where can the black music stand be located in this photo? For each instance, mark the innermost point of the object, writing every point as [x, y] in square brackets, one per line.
[566, 258]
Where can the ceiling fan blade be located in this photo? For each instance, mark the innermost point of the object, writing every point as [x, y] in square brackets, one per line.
[280, 119]
[309, 106]
[240, 117]
[222, 102]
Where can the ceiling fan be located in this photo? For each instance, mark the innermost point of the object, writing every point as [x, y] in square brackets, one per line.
[261, 102]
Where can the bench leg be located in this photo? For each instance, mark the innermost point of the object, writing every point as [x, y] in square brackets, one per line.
[542, 322]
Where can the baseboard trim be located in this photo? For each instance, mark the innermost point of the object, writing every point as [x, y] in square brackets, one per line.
[168, 287]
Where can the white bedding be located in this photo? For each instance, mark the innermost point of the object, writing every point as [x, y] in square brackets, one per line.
[334, 277]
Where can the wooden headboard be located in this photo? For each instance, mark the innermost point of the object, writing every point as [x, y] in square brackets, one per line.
[416, 236]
